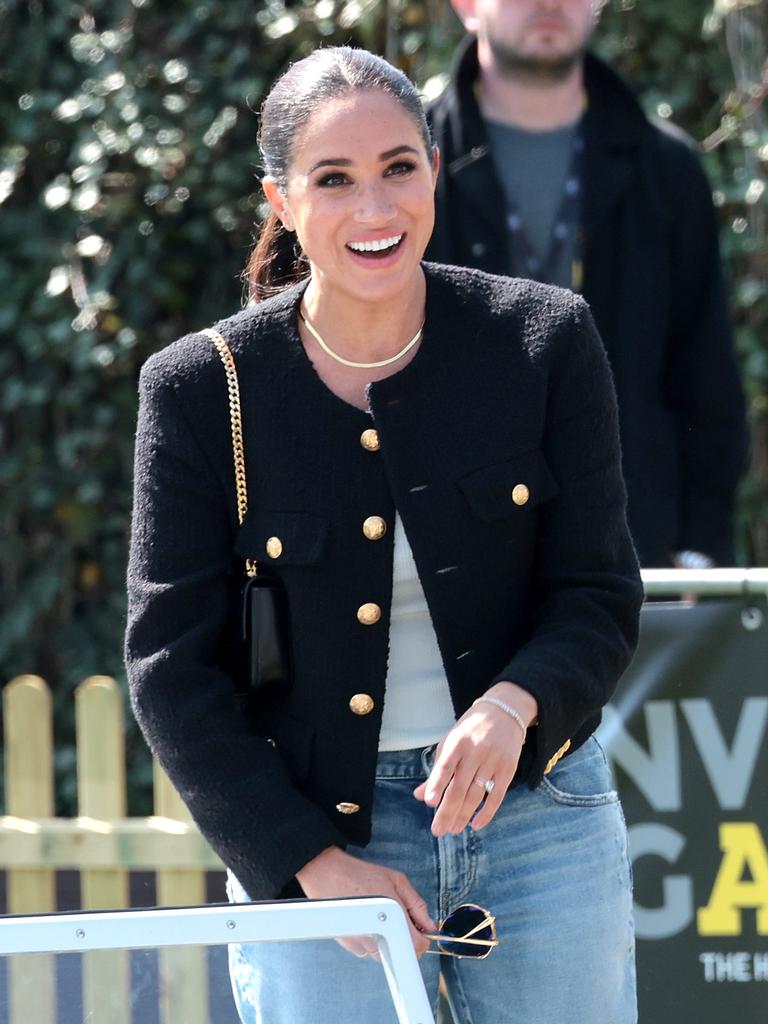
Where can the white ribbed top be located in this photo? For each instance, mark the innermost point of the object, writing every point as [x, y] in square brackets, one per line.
[417, 703]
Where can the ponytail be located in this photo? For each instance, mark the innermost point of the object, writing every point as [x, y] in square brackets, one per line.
[276, 261]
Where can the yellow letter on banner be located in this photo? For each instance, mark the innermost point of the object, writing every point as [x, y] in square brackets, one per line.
[743, 848]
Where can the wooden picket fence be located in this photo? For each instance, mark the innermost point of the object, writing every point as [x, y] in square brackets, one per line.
[102, 844]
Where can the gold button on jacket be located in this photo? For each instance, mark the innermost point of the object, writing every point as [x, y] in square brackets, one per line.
[374, 527]
[274, 547]
[369, 439]
[369, 614]
[346, 807]
[361, 704]
[520, 494]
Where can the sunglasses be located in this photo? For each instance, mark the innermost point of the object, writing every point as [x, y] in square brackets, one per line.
[470, 931]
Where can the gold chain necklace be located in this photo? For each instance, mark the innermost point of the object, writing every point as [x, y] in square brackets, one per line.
[348, 362]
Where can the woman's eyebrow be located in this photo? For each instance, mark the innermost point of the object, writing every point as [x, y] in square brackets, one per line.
[334, 161]
[398, 149]
[341, 161]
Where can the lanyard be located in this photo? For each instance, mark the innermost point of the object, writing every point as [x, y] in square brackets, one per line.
[567, 219]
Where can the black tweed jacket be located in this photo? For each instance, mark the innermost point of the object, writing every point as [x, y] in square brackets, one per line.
[510, 387]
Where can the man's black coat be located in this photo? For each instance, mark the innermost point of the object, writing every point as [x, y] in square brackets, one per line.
[510, 387]
[653, 279]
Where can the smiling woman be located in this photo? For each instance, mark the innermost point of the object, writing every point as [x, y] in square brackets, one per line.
[435, 480]
[351, 171]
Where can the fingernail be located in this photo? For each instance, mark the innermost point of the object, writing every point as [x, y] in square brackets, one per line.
[430, 794]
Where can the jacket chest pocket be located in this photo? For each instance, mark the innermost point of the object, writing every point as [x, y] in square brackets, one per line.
[513, 488]
[277, 538]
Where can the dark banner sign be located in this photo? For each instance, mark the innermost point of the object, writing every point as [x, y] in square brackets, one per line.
[687, 734]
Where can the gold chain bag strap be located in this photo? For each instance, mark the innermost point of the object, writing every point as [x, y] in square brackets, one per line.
[257, 649]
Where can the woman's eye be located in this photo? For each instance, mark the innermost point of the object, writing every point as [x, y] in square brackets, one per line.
[332, 179]
[400, 168]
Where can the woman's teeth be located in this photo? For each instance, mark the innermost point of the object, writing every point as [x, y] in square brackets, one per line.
[378, 246]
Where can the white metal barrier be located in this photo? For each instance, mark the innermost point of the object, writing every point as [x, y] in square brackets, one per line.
[380, 918]
[705, 582]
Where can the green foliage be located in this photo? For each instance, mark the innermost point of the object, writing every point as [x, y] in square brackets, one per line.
[129, 199]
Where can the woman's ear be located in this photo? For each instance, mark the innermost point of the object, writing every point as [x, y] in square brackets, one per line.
[435, 164]
[276, 199]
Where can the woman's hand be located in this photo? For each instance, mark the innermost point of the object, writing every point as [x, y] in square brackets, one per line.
[335, 873]
[484, 744]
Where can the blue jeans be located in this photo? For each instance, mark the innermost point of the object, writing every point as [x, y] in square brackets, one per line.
[552, 867]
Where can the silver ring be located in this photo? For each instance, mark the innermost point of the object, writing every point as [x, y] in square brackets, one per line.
[487, 784]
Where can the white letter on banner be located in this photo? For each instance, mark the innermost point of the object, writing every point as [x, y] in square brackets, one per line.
[730, 772]
[656, 774]
[676, 911]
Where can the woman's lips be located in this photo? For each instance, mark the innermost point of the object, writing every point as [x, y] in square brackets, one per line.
[378, 256]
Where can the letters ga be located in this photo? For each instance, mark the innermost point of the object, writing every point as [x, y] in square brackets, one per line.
[741, 883]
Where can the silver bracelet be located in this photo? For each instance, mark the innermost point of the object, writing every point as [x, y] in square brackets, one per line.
[509, 710]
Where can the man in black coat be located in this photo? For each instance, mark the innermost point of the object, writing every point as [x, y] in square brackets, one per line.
[551, 170]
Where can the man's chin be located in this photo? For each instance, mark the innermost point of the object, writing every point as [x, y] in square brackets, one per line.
[533, 68]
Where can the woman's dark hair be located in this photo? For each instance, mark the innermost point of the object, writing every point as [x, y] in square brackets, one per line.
[326, 74]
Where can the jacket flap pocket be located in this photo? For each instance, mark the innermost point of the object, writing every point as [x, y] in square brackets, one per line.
[288, 538]
[509, 488]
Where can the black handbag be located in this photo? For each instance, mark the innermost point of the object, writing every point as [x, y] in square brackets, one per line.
[256, 648]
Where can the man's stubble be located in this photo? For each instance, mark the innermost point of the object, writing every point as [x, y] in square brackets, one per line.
[533, 69]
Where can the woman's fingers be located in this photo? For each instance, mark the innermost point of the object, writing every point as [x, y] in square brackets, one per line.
[484, 745]
[361, 948]
[421, 790]
[334, 872]
[438, 779]
[493, 801]
[416, 912]
[461, 799]
[414, 904]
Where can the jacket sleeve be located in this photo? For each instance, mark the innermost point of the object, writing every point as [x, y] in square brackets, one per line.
[586, 589]
[702, 378]
[234, 783]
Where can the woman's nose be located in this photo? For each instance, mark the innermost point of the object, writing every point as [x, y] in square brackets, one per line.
[375, 204]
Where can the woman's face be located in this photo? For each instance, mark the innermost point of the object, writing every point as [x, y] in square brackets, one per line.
[360, 196]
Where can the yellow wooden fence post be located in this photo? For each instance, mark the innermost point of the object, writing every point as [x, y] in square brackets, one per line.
[101, 793]
[183, 971]
[28, 737]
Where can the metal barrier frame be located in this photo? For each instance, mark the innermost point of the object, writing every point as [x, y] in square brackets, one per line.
[381, 918]
[705, 582]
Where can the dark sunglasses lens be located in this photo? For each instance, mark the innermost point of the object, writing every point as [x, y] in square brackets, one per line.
[462, 921]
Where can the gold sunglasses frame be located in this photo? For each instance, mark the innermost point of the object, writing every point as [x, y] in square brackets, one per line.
[488, 921]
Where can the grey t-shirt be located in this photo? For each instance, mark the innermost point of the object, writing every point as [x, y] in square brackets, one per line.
[533, 168]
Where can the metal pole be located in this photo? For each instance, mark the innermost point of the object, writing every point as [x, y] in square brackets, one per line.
[705, 582]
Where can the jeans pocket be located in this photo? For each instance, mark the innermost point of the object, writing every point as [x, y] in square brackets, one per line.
[582, 779]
